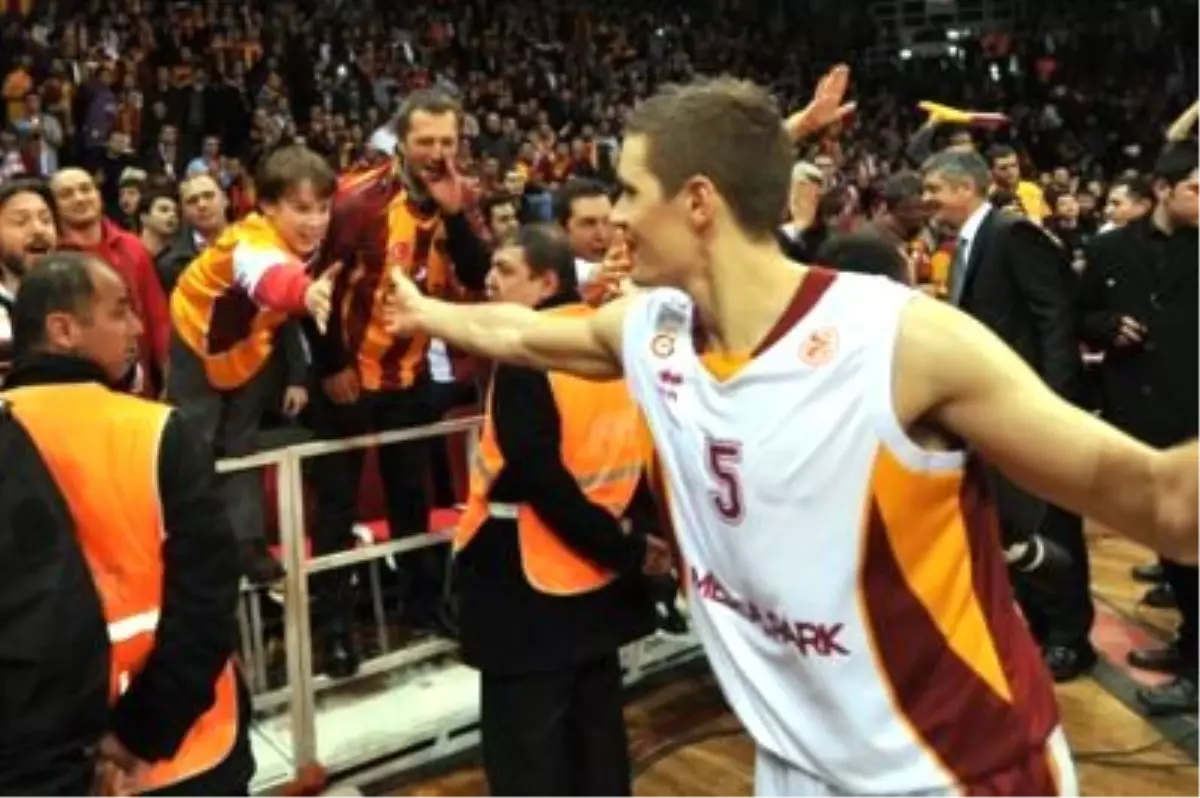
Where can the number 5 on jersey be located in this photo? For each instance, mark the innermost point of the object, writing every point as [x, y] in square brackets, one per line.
[724, 458]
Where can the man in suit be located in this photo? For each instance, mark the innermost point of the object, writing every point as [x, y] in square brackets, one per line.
[1138, 305]
[1011, 276]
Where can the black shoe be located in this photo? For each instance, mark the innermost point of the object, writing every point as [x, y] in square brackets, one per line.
[340, 658]
[1159, 660]
[425, 619]
[1038, 555]
[1160, 597]
[1149, 573]
[258, 566]
[670, 620]
[1174, 698]
[1068, 663]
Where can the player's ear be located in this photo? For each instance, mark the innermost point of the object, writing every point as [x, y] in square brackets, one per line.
[700, 200]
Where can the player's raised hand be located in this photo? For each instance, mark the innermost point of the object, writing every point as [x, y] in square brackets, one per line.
[318, 298]
[400, 304]
[826, 107]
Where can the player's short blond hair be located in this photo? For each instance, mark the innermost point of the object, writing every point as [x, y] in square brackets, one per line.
[727, 130]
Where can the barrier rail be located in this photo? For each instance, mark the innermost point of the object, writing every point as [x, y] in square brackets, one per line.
[302, 684]
[376, 752]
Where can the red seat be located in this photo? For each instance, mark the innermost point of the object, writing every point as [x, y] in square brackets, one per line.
[440, 519]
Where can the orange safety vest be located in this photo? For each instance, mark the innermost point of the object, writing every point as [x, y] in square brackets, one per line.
[603, 446]
[105, 462]
[216, 318]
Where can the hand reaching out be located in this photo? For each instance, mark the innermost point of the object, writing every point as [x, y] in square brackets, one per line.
[318, 298]
[400, 309]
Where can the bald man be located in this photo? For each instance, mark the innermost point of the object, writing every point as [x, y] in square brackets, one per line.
[84, 228]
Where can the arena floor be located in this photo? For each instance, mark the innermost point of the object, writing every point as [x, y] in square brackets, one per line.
[685, 742]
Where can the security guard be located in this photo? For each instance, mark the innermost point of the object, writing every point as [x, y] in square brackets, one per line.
[550, 554]
[157, 543]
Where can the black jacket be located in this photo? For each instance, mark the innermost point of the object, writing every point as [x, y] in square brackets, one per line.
[1149, 389]
[54, 658]
[196, 633]
[505, 624]
[1019, 283]
[175, 257]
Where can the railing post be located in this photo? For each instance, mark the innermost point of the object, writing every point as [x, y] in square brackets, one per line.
[472, 443]
[297, 632]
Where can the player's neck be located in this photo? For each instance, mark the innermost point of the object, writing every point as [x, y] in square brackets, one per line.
[748, 287]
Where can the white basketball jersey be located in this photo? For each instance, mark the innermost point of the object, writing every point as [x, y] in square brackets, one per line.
[858, 622]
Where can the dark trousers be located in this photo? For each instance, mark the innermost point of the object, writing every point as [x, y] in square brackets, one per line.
[1182, 579]
[404, 472]
[227, 421]
[1059, 610]
[558, 732]
[444, 397]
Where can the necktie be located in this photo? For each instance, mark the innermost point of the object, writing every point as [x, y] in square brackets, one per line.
[958, 271]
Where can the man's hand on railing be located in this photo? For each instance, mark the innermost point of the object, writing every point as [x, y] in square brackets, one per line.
[295, 399]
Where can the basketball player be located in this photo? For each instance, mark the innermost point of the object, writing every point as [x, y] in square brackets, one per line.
[846, 577]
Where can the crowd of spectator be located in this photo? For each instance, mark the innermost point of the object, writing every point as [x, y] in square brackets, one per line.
[168, 109]
[145, 92]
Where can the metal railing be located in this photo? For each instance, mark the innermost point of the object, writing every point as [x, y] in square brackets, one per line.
[302, 684]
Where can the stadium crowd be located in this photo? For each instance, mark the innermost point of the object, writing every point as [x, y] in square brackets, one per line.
[150, 133]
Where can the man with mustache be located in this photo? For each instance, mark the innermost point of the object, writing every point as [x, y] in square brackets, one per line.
[417, 214]
[27, 230]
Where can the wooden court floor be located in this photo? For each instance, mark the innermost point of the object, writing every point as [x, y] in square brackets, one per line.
[685, 742]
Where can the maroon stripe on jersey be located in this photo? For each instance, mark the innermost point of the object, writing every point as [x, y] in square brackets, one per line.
[1035, 776]
[814, 285]
[973, 732]
[1021, 658]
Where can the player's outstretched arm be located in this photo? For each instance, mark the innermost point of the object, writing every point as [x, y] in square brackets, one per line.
[588, 346]
[952, 370]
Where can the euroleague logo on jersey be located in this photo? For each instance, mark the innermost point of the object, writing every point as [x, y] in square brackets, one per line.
[819, 347]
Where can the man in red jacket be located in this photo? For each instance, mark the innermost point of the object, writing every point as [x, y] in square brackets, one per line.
[83, 227]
